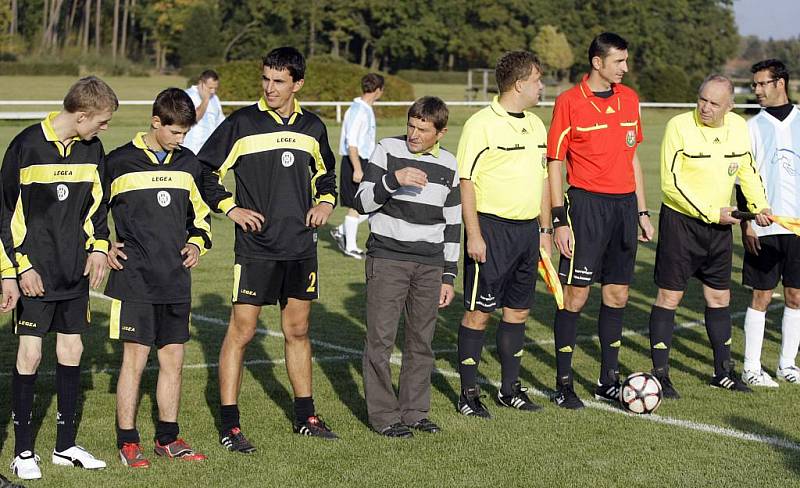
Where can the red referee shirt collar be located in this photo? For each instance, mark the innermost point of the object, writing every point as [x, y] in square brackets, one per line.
[587, 91]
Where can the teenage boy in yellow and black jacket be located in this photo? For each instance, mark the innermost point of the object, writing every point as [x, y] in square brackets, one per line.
[285, 190]
[55, 231]
[162, 226]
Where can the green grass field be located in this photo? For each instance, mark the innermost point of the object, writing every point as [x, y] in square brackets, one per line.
[708, 438]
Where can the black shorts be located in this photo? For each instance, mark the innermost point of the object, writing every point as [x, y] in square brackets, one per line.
[37, 317]
[778, 258]
[150, 324]
[689, 247]
[508, 277]
[347, 187]
[605, 238]
[267, 282]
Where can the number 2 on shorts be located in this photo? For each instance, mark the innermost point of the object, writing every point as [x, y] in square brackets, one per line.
[312, 280]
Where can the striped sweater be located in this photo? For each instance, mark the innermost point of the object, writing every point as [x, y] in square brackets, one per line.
[411, 224]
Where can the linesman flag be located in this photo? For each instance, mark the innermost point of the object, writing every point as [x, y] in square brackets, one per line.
[550, 278]
[792, 224]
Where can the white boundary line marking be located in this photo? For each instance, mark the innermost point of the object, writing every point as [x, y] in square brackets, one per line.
[354, 353]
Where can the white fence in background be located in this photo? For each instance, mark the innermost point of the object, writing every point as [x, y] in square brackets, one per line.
[340, 106]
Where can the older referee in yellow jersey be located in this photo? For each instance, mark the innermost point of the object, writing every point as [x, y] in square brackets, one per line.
[703, 153]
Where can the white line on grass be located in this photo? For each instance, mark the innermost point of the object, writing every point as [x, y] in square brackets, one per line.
[353, 353]
[396, 357]
[686, 424]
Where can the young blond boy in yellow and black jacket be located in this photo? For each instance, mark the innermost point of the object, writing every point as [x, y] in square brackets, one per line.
[54, 230]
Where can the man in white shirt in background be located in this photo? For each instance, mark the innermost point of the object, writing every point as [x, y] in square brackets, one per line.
[772, 254]
[209, 110]
[355, 146]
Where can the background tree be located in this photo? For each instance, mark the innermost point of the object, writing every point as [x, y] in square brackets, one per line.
[554, 51]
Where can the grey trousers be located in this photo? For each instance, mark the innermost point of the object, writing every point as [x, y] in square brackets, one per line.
[395, 287]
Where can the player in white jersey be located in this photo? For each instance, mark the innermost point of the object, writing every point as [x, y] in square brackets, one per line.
[772, 253]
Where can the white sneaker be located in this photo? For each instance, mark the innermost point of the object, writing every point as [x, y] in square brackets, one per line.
[790, 374]
[78, 457]
[758, 378]
[354, 253]
[26, 466]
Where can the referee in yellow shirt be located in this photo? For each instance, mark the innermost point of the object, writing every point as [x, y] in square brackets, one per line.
[703, 153]
[501, 163]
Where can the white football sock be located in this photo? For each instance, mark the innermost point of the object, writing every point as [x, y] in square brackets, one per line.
[350, 232]
[790, 336]
[753, 338]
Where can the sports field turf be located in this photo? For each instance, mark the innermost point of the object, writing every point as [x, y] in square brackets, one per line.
[708, 438]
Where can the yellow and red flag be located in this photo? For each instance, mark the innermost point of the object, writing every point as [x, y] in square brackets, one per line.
[791, 224]
[550, 278]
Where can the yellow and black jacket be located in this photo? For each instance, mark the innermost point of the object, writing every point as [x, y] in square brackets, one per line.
[157, 208]
[51, 215]
[282, 168]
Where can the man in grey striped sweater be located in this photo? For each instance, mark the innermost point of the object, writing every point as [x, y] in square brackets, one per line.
[410, 191]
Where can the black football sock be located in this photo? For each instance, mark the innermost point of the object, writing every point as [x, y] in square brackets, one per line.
[470, 345]
[718, 327]
[609, 326]
[22, 389]
[127, 436]
[303, 408]
[662, 322]
[167, 432]
[229, 417]
[68, 384]
[510, 341]
[565, 331]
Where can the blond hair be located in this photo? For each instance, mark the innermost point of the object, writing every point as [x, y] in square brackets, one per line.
[90, 94]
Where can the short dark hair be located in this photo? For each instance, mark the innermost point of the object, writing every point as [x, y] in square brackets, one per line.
[604, 43]
[90, 94]
[514, 66]
[209, 74]
[287, 58]
[371, 82]
[174, 107]
[430, 109]
[776, 68]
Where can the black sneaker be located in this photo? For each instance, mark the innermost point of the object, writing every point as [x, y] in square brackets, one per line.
[518, 399]
[315, 427]
[425, 425]
[469, 403]
[5, 483]
[234, 441]
[398, 431]
[607, 393]
[565, 396]
[667, 390]
[729, 380]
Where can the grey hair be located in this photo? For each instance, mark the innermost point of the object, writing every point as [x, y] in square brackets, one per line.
[716, 78]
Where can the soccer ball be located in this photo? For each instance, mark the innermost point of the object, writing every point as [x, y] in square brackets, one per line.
[641, 393]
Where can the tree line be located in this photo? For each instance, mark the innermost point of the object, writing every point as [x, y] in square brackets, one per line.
[694, 36]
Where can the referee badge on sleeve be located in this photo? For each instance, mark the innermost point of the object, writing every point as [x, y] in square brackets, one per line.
[630, 138]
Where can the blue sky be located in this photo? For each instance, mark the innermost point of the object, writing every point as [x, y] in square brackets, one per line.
[779, 19]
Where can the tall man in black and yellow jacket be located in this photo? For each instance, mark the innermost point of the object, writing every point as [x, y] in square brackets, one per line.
[703, 153]
[55, 231]
[162, 227]
[285, 190]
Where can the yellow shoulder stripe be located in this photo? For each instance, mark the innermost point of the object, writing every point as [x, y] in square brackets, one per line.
[57, 173]
[148, 180]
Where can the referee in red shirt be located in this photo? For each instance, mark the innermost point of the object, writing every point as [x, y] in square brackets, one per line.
[595, 130]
